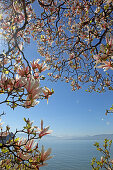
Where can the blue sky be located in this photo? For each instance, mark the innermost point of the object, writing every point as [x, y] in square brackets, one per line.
[68, 113]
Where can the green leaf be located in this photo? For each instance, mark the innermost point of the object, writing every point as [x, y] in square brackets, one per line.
[24, 119]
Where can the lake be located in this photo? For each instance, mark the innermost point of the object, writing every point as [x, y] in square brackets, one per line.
[71, 154]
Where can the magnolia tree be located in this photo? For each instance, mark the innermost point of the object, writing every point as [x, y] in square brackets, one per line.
[75, 40]
[105, 161]
[18, 153]
[20, 85]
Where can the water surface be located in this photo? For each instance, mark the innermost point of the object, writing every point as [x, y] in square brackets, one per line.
[71, 154]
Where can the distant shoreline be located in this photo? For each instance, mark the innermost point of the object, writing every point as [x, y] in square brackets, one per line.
[94, 137]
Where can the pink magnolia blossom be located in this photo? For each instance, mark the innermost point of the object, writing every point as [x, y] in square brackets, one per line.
[43, 131]
[17, 7]
[24, 71]
[32, 87]
[109, 41]
[34, 64]
[10, 83]
[34, 91]
[106, 66]
[16, 83]
[106, 51]
[42, 67]
[30, 103]
[98, 60]
[6, 83]
[23, 156]
[3, 81]
[45, 155]
[47, 93]
[30, 145]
